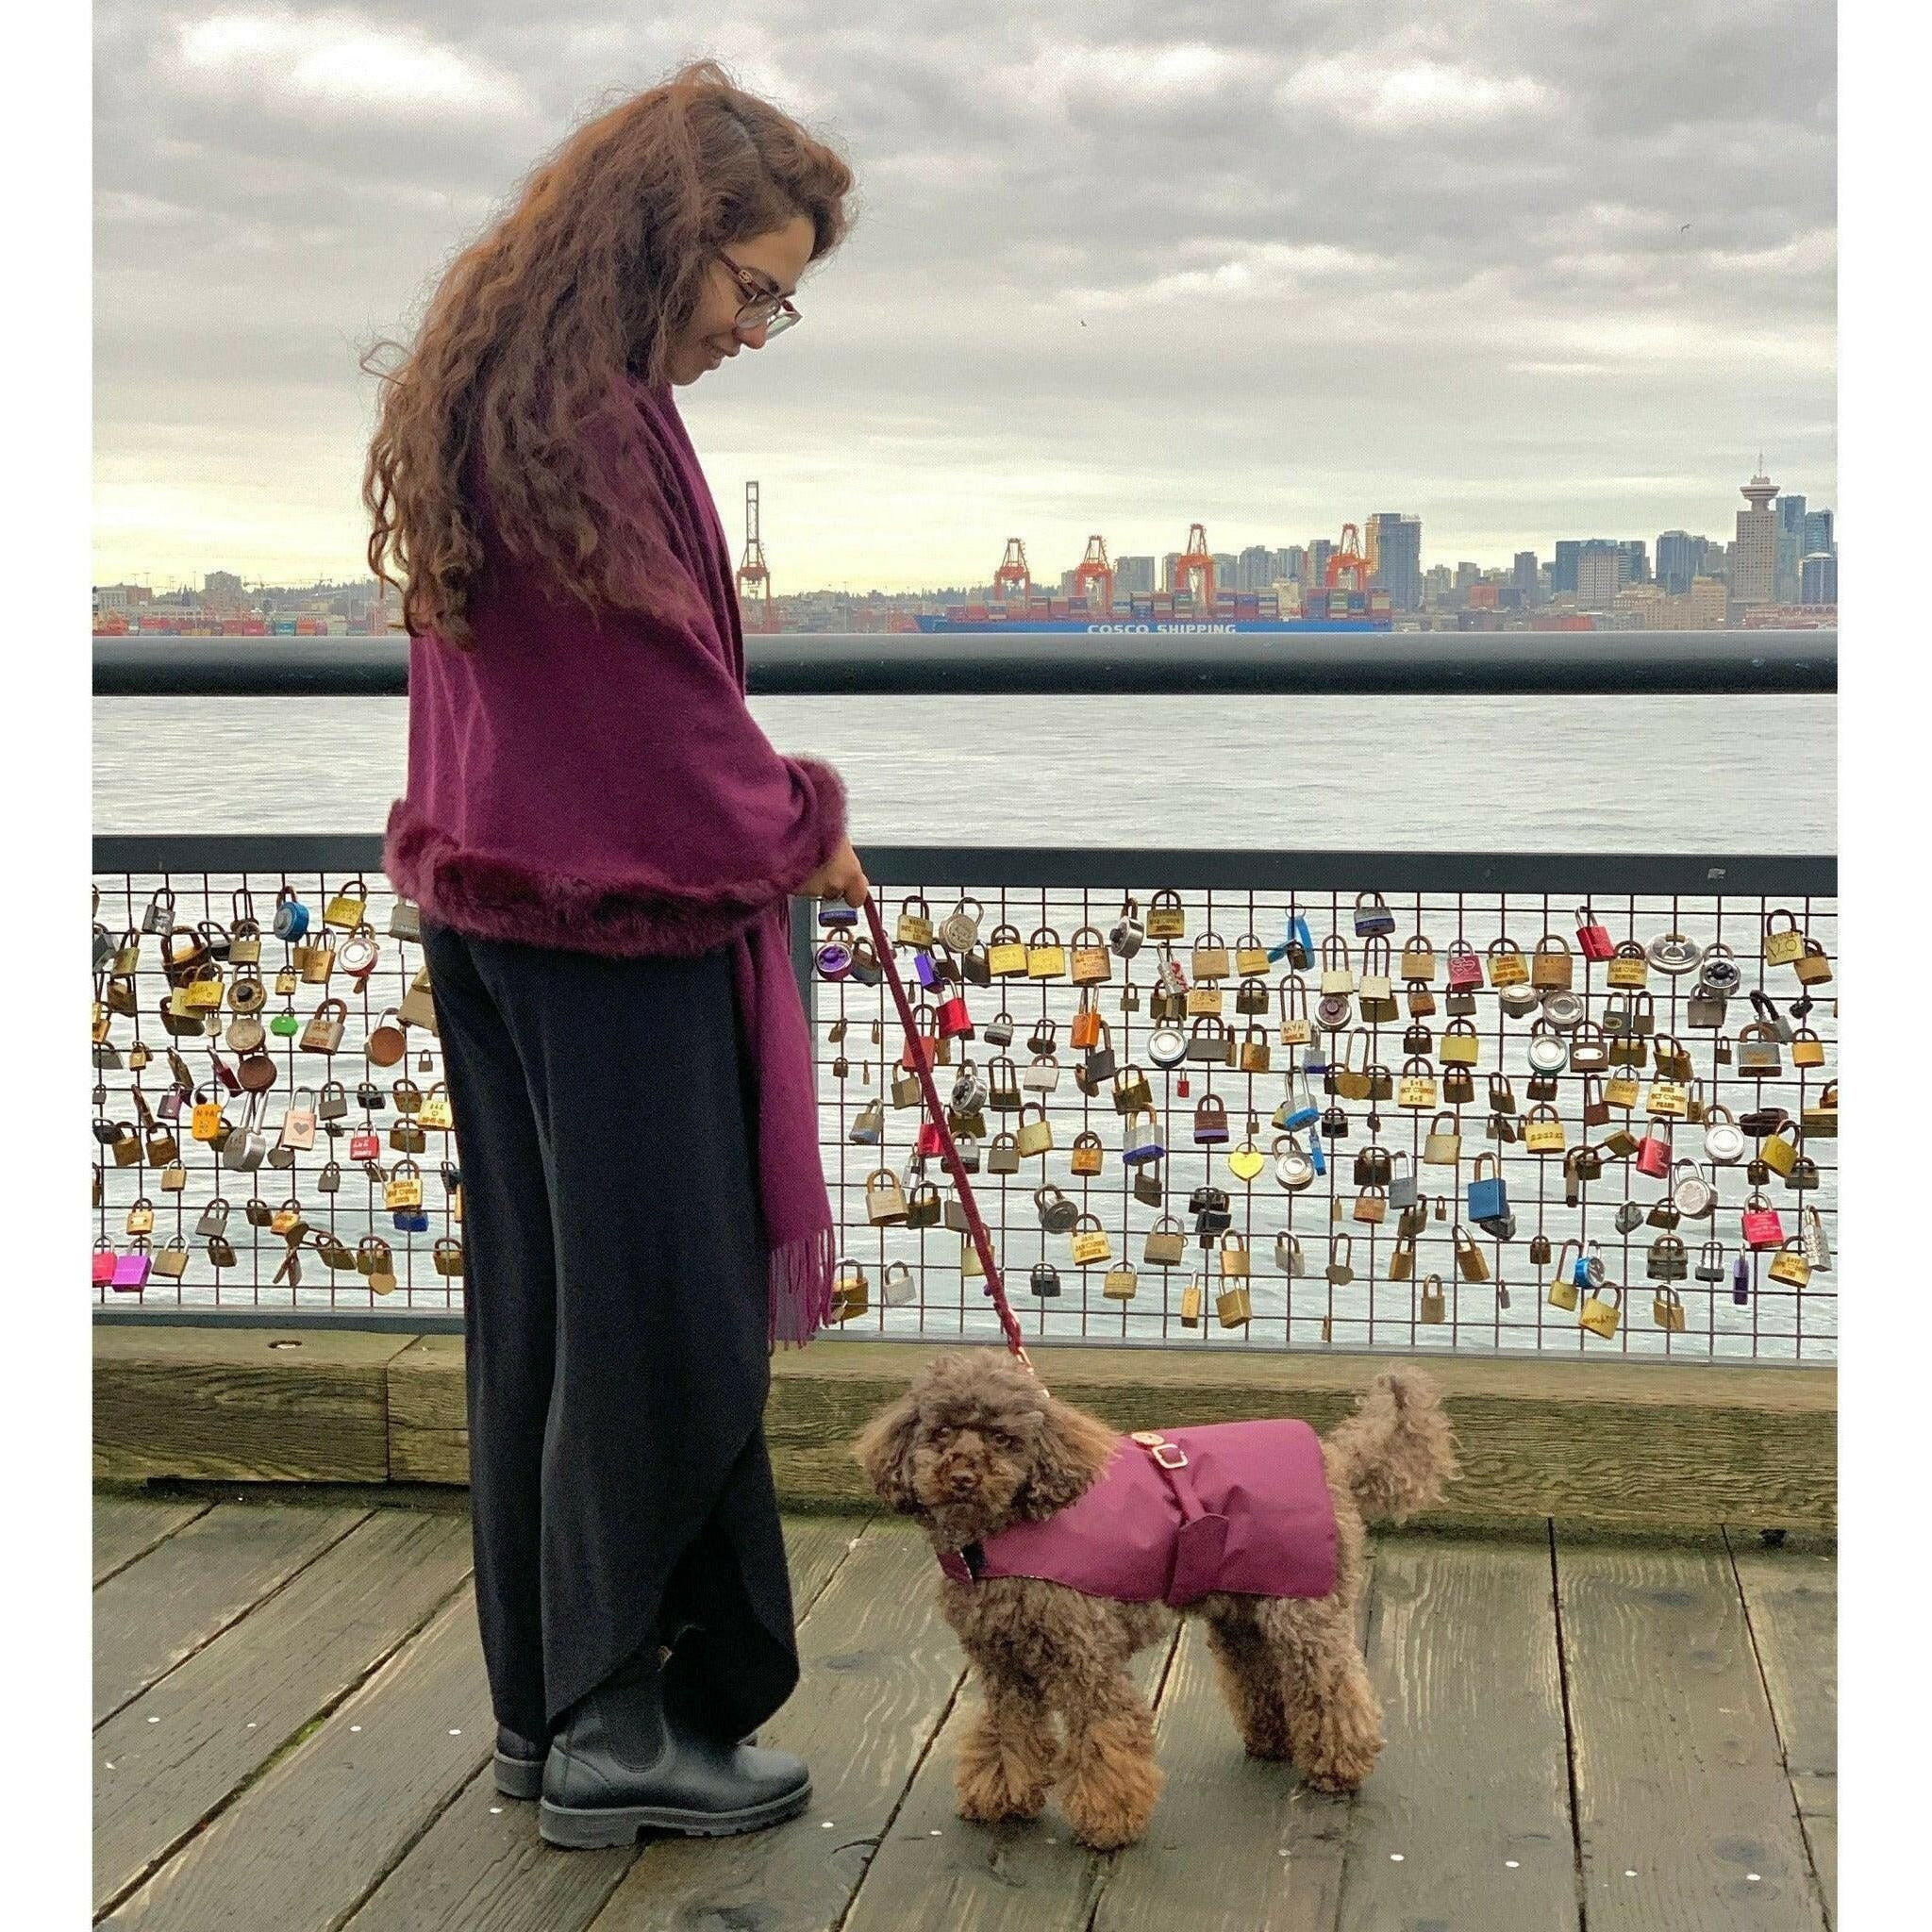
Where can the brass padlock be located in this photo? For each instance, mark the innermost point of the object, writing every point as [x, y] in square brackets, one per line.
[1602, 1308]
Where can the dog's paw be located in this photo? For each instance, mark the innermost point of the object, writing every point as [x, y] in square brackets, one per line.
[987, 1796]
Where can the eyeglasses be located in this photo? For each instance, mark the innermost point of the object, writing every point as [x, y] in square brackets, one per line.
[761, 310]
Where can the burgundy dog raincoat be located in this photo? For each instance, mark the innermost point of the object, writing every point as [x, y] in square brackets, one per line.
[1240, 1507]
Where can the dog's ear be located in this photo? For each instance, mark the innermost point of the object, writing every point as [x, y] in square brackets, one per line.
[884, 1449]
[1070, 1449]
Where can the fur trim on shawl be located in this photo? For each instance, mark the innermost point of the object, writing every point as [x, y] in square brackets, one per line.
[622, 917]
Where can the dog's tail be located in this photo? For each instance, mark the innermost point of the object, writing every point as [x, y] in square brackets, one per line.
[1397, 1448]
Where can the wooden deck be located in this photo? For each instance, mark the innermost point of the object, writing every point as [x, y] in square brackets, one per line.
[292, 1730]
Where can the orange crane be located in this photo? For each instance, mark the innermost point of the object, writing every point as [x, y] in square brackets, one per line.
[1094, 569]
[1012, 571]
[1347, 560]
[754, 579]
[1194, 568]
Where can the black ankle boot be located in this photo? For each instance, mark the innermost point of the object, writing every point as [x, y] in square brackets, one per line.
[519, 1763]
[620, 1766]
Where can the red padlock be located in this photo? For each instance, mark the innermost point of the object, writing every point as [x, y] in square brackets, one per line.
[1653, 1154]
[929, 1142]
[105, 1258]
[365, 1146]
[955, 1023]
[1592, 936]
[1762, 1227]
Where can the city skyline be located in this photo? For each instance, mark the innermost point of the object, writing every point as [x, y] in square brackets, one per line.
[1110, 270]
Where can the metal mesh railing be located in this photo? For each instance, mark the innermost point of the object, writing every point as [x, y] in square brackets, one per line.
[1328, 1151]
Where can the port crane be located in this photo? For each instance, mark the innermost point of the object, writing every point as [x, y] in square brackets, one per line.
[754, 579]
[1193, 569]
[1013, 573]
[1093, 568]
[1348, 561]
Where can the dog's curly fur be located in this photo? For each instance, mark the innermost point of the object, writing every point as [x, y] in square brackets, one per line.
[977, 1444]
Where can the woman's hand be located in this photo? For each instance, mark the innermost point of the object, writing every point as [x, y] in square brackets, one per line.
[842, 877]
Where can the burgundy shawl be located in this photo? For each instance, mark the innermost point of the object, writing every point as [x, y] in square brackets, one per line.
[599, 785]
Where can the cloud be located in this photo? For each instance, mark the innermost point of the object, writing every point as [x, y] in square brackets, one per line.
[1326, 263]
[339, 61]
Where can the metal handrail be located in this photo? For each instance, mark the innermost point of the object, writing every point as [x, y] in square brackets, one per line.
[1064, 664]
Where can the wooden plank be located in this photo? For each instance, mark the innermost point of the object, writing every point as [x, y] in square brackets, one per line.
[126, 1526]
[168, 1603]
[341, 1808]
[880, 1668]
[1462, 1649]
[428, 1414]
[224, 1712]
[1683, 1810]
[242, 1403]
[481, 1863]
[934, 1868]
[1790, 1597]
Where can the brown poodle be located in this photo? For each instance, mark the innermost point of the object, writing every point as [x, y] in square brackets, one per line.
[978, 1443]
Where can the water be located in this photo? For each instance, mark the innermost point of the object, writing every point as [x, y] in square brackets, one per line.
[1586, 774]
[1575, 774]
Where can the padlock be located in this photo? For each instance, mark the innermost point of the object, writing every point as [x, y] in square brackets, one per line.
[1432, 1304]
[1629, 965]
[885, 1200]
[1784, 945]
[1372, 915]
[851, 1292]
[1443, 1146]
[1508, 967]
[1667, 1310]
[1418, 961]
[1813, 964]
[1592, 936]
[1193, 1297]
[1692, 1195]
[1789, 1264]
[1289, 1258]
[1780, 1150]
[1046, 958]
[1563, 1289]
[1471, 1262]
[1034, 1137]
[1461, 1046]
[1654, 1150]
[1667, 1259]
[1762, 1227]
[1543, 1130]
[1416, 1086]
[1487, 1196]
[1341, 1269]
[1057, 1213]
[1600, 1310]
[1165, 918]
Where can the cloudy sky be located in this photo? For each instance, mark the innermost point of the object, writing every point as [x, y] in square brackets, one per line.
[1119, 265]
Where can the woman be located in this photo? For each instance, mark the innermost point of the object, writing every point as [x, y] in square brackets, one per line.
[602, 843]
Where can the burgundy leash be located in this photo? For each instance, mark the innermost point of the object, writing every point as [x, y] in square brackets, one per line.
[982, 1242]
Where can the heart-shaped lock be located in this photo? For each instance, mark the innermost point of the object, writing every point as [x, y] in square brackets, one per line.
[1245, 1161]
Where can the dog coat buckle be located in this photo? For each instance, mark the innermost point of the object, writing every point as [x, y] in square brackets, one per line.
[1169, 1455]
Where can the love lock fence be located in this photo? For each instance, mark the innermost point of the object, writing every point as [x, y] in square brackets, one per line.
[1208, 1098]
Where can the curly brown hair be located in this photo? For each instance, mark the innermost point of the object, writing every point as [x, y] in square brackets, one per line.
[527, 359]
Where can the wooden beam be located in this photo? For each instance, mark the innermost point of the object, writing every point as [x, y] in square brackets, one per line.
[1605, 1447]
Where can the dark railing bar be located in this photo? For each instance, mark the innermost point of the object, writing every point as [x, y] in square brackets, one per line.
[1100, 868]
[1060, 664]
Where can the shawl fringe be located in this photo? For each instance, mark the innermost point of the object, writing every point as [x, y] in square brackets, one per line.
[799, 1287]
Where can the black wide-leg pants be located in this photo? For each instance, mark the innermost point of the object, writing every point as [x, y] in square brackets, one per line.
[615, 1320]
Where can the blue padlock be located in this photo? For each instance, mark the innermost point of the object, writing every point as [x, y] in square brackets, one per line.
[924, 970]
[1316, 1157]
[1372, 917]
[412, 1220]
[1297, 942]
[1297, 1108]
[1589, 1271]
[292, 916]
[1488, 1199]
[1740, 1282]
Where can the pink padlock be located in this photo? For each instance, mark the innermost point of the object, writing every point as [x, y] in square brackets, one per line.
[1762, 1227]
[1654, 1153]
[1465, 965]
[105, 1258]
[131, 1270]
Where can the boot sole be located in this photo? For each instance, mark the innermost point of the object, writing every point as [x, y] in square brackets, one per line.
[519, 1777]
[592, 1827]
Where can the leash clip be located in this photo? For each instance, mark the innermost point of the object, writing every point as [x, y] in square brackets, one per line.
[1168, 1455]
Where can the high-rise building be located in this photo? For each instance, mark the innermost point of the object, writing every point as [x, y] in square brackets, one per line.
[1563, 572]
[1225, 564]
[1133, 576]
[1524, 574]
[220, 590]
[1320, 551]
[1818, 532]
[1170, 562]
[1818, 578]
[1467, 573]
[1637, 561]
[1393, 552]
[1254, 568]
[1705, 603]
[1790, 546]
[1677, 560]
[1600, 566]
[1754, 565]
[1294, 563]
